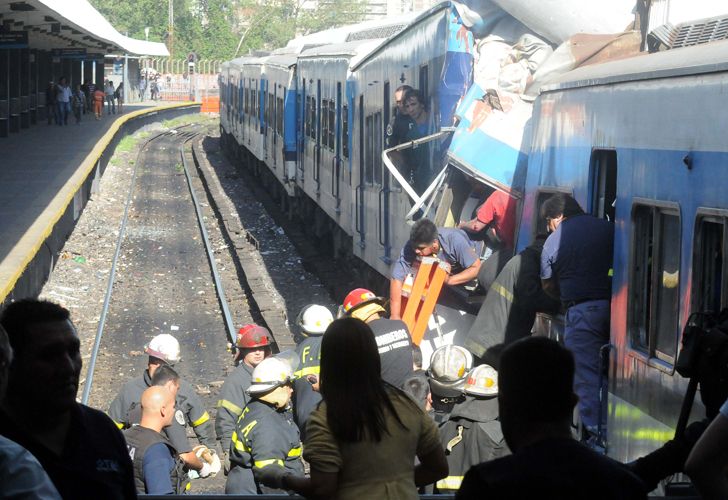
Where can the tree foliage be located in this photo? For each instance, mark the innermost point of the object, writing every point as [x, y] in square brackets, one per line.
[213, 28]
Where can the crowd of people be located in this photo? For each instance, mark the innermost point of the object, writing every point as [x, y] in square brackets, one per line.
[351, 413]
[62, 100]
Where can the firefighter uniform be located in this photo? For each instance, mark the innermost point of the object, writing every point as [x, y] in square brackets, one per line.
[305, 399]
[472, 435]
[188, 402]
[138, 441]
[263, 437]
[233, 399]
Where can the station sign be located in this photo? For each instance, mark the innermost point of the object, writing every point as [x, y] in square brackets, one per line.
[13, 39]
[69, 53]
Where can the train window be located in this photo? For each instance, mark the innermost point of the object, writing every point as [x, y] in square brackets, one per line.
[345, 131]
[332, 125]
[369, 144]
[423, 83]
[313, 118]
[279, 115]
[604, 183]
[307, 117]
[655, 280]
[709, 280]
[325, 122]
[378, 136]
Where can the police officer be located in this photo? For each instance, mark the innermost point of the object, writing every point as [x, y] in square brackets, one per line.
[392, 335]
[252, 345]
[449, 367]
[164, 349]
[401, 123]
[266, 441]
[157, 468]
[473, 433]
[312, 323]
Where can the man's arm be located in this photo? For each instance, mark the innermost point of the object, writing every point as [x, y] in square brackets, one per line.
[395, 299]
[465, 275]
[551, 287]
[157, 466]
[473, 225]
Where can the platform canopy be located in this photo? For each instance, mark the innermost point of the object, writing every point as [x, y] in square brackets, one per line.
[68, 24]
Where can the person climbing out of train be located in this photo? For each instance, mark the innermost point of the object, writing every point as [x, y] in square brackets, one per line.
[576, 264]
[472, 433]
[252, 345]
[394, 341]
[164, 349]
[397, 131]
[510, 307]
[158, 470]
[266, 440]
[418, 158]
[451, 245]
[312, 322]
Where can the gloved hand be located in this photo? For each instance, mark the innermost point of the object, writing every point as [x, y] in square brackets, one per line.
[206, 470]
[271, 476]
[210, 461]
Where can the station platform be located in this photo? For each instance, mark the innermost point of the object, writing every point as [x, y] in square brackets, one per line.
[46, 177]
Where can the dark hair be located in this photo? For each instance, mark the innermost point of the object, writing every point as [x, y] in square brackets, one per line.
[416, 93]
[423, 232]
[163, 374]
[351, 382]
[560, 204]
[536, 378]
[416, 356]
[418, 387]
[403, 88]
[18, 316]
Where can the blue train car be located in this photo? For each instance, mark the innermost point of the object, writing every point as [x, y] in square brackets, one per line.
[641, 142]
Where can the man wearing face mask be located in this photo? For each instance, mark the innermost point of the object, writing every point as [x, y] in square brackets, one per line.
[266, 442]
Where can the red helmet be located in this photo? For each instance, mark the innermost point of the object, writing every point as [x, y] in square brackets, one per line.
[359, 297]
[251, 336]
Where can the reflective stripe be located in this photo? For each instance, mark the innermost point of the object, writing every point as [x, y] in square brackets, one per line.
[501, 290]
[246, 430]
[231, 407]
[120, 426]
[450, 483]
[295, 452]
[204, 418]
[264, 463]
[240, 444]
[309, 370]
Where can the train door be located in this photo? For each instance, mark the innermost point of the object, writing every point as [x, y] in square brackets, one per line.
[603, 175]
[383, 201]
[274, 123]
[265, 116]
[335, 131]
[359, 191]
[301, 130]
[317, 148]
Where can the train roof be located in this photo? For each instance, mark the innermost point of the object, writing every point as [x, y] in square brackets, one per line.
[284, 61]
[698, 59]
[352, 49]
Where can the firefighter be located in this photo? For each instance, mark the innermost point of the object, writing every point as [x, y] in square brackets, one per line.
[473, 433]
[392, 335]
[312, 323]
[449, 367]
[252, 345]
[266, 441]
[158, 470]
[164, 349]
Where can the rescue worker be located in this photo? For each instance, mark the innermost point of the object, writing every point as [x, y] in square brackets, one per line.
[392, 335]
[449, 367]
[252, 345]
[451, 245]
[473, 433]
[266, 440]
[164, 349]
[158, 470]
[312, 323]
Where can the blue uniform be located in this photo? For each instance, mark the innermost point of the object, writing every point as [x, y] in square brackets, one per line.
[455, 248]
[579, 255]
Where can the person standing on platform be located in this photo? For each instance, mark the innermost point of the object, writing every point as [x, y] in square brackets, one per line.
[98, 97]
[78, 101]
[51, 106]
[119, 96]
[451, 245]
[576, 264]
[109, 93]
[79, 447]
[63, 99]
[142, 88]
[393, 338]
[252, 345]
[312, 323]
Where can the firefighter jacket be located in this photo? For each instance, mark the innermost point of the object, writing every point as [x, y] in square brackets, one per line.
[138, 441]
[305, 399]
[471, 435]
[266, 437]
[233, 399]
[188, 402]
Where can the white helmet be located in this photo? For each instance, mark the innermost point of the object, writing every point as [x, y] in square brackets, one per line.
[482, 381]
[269, 374]
[449, 366]
[165, 347]
[314, 319]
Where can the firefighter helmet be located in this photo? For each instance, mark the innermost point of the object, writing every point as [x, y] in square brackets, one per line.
[482, 381]
[449, 367]
[164, 347]
[360, 297]
[252, 336]
[269, 374]
[314, 319]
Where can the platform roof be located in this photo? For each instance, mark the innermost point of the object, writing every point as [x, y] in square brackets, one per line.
[57, 24]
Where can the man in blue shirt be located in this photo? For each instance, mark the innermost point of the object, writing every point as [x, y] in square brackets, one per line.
[576, 265]
[451, 245]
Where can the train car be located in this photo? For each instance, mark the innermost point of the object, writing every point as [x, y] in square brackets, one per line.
[640, 142]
